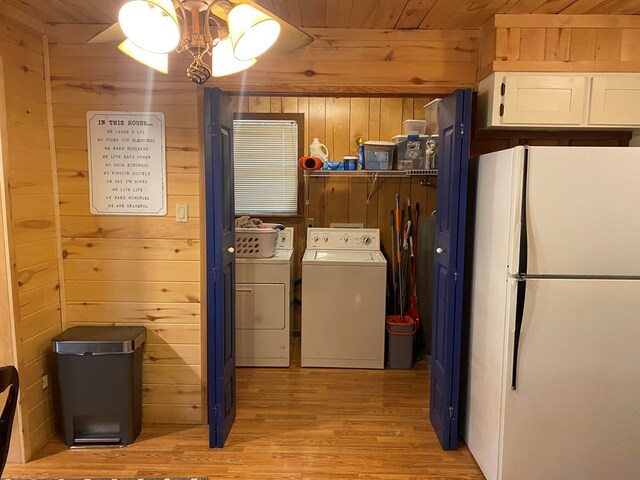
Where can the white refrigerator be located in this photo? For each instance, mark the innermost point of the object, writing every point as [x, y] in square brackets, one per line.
[553, 385]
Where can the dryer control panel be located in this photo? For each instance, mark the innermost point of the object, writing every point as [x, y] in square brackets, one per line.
[285, 239]
[343, 239]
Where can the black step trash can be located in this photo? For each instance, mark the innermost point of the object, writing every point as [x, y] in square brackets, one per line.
[100, 380]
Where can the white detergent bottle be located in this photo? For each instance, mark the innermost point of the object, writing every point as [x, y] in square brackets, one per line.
[317, 149]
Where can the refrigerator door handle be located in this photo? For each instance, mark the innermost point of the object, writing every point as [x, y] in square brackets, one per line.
[521, 294]
[523, 259]
[522, 271]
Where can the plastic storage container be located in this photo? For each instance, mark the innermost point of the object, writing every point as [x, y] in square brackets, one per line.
[256, 242]
[400, 341]
[431, 116]
[414, 127]
[100, 380]
[411, 151]
[350, 162]
[378, 155]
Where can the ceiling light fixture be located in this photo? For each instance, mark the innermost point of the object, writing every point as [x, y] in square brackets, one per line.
[157, 61]
[223, 62]
[151, 25]
[231, 35]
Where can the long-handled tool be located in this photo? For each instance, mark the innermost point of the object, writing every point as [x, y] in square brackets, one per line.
[409, 245]
[405, 262]
[413, 311]
[398, 254]
[392, 256]
[398, 228]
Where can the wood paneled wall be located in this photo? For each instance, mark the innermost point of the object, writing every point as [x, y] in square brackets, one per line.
[487, 141]
[8, 304]
[30, 213]
[337, 122]
[560, 43]
[339, 61]
[123, 270]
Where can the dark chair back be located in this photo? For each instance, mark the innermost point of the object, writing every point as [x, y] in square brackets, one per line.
[8, 379]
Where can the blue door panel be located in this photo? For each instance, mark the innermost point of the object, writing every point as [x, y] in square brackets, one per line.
[454, 119]
[220, 242]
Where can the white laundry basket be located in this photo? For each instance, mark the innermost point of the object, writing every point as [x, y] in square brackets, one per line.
[256, 242]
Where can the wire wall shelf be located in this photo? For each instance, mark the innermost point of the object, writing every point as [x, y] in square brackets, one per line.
[373, 174]
[370, 173]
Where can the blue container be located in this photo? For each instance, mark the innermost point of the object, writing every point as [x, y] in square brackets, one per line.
[350, 162]
[332, 166]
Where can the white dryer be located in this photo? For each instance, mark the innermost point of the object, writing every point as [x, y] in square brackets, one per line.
[264, 307]
[343, 299]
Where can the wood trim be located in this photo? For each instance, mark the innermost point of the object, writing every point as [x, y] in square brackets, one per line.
[338, 62]
[54, 179]
[560, 43]
[11, 343]
[567, 21]
[410, 89]
[487, 27]
[401, 35]
[204, 404]
[561, 66]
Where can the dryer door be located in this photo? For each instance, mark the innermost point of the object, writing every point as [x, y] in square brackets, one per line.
[260, 306]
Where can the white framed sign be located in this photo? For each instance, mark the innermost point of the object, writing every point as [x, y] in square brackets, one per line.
[127, 164]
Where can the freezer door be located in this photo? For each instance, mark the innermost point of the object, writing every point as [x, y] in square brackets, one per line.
[581, 211]
[575, 413]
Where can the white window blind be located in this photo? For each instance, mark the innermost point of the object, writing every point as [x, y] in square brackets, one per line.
[265, 156]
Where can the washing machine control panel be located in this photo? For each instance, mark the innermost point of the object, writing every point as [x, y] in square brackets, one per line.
[343, 239]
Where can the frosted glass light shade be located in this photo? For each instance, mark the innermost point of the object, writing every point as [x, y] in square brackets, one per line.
[157, 61]
[252, 32]
[151, 25]
[223, 62]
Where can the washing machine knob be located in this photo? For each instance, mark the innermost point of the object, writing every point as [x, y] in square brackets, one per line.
[366, 240]
[315, 239]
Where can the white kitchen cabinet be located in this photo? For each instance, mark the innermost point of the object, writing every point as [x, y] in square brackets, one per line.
[533, 100]
[543, 100]
[559, 100]
[615, 100]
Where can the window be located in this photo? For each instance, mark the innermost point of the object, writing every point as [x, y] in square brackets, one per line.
[265, 156]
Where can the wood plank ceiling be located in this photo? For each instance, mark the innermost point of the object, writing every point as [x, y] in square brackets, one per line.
[408, 14]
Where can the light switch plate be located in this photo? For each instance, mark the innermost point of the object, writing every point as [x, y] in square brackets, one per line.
[182, 215]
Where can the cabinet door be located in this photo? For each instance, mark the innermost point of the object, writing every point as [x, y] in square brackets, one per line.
[615, 100]
[543, 100]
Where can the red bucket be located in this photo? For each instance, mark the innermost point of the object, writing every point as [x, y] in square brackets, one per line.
[401, 325]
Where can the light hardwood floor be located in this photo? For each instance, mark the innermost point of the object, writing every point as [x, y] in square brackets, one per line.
[291, 424]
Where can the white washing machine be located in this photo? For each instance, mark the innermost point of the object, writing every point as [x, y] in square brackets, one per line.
[343, 298]
[264, 307]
